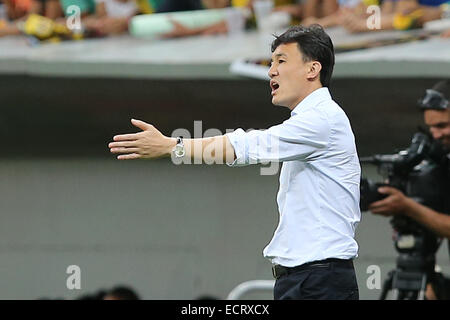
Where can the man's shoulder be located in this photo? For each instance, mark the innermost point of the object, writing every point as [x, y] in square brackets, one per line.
[332, 110]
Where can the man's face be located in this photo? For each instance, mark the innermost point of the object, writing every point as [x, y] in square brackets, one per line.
[288, 74]
[439, 123]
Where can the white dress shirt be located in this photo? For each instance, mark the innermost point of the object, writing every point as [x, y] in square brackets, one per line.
[318, 198]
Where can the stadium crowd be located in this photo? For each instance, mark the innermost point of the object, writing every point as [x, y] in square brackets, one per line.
[101, 18]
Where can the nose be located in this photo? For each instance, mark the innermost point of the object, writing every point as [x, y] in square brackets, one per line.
[272, 71]
[436, 133]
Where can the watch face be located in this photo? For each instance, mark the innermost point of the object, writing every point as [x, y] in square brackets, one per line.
[179, 151]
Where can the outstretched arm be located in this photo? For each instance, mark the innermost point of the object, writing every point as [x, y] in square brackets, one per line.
[150, 143]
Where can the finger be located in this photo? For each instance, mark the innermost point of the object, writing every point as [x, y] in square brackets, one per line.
[141, 124]
[130, 156]
[126, 143]
[126, 137]
[379, 203]
[387, 190]
[124, 150]
[382, 210]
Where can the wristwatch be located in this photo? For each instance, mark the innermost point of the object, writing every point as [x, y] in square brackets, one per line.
[179, 150]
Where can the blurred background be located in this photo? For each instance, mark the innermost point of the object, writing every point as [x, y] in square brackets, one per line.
[73, 74]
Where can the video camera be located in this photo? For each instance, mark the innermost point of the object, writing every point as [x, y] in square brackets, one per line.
[417, 172]
[400, 169]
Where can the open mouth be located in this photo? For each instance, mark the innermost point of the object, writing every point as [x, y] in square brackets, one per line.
[274, 86]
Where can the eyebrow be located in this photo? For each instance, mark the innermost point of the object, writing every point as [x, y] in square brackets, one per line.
[438, 124]
[279, 55]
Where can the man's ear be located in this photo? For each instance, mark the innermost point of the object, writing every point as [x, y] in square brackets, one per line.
[314, 70]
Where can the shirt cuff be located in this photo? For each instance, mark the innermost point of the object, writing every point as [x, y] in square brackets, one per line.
[239, 142]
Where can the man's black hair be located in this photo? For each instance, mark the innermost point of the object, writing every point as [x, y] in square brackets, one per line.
[123, 293]
[314, 44]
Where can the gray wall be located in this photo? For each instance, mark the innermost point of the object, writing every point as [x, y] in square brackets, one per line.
[170, 232]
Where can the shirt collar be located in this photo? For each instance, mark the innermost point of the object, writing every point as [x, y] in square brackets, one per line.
[312, 99]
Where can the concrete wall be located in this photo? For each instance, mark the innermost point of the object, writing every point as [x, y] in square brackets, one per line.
[170, 232]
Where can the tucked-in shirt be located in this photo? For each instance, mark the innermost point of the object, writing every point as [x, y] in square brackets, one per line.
[318, 197]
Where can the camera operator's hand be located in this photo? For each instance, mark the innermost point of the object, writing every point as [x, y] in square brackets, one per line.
[395, 203]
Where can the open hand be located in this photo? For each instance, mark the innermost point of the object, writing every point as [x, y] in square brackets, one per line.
[393, 204]
[147, 144]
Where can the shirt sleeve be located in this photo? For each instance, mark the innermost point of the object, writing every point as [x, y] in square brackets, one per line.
[297, 138]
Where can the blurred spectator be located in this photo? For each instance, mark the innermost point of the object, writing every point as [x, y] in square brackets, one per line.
[19, 10]
[116, 8]
[111, 16]
[407, 14]
[16, 9]
[8, 29]
[395, 14]
[48, 8]
[148, 6]
[87, 7]
[217, 28]
[180, 30]
[176, 5]
[345, 8]
[99, 17]
[310, 9]
[121, 293]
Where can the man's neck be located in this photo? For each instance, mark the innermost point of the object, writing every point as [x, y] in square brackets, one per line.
[305, 94]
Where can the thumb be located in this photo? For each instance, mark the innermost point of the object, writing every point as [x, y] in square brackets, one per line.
[141, 124]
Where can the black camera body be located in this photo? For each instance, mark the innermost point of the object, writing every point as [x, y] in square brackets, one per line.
[420, 174]
[417, 171]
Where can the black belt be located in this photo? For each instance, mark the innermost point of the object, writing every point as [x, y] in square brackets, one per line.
[278, 270]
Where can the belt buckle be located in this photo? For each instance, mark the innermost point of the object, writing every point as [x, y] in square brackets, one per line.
[274, 272]
[277, 271]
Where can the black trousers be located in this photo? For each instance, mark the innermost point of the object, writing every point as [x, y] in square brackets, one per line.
[321, 280]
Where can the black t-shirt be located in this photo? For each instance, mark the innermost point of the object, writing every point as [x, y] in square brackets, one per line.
[177, 5]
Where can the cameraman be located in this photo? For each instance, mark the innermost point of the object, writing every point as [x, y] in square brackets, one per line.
[436, 109]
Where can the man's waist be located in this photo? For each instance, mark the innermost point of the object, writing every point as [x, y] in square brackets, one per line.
[279, 270]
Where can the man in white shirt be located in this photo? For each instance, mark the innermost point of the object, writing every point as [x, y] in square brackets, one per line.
[313, 246]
